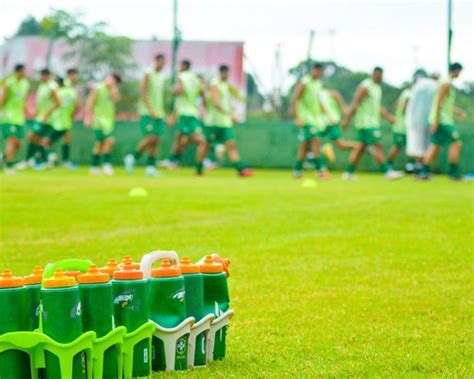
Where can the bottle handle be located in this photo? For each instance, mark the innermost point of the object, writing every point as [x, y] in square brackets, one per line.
[150, 259]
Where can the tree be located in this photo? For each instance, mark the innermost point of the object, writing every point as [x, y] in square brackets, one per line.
[29, 27]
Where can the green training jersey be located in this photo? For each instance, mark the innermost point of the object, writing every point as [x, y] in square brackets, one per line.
[308, 106]
[333, 111]
[155, 93]
[446, 112]
[402, 101]
[62, 118]
[186, 103]
[216, 117]
[44, 100]
[368, 113]
[104, 109]
[13, 111]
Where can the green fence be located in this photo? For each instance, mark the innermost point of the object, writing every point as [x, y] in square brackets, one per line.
[265, 144]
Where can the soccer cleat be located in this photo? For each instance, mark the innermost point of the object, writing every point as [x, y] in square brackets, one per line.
[409, 168]
[324, 175]
[107, 169]
[246, 172]
[393, 175]
[423, 175]
[209, 165]
[129, 163]
[151, 171]
[94, 171]
[9, 171]
[328, 151]
[169, 164]
[52, 158]
[23, 165]
[70, 165]
[348, 176]
[297, 174]
[39, 166]
[456, 177]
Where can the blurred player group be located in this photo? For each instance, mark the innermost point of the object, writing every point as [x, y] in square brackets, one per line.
[320, 114]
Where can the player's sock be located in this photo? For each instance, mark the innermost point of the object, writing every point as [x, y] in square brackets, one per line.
[30, 151]
[9, 164]
[41, 156]
[150, 161]
[384, 167]
[426, 169]
[95, 160]
[350, 168]
[390, 162]
[317, 163]
[199, 168]
[137, 154]
[453, 169]
[107, 158]
[299, 165]
[239, 166]
[65, 152]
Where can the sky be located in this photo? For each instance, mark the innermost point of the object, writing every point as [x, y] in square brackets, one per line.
[398, 35]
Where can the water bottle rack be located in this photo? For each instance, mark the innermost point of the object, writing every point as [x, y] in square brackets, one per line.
[35, 344]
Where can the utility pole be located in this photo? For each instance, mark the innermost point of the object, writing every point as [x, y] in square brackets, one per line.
[176, 41]
[310, 49]
[450, 30]
[332, 43]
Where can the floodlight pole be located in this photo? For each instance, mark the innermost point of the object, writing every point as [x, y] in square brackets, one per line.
[450, 30]
[310, 48]
[176, 41]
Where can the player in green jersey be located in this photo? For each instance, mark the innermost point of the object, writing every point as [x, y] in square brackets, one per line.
[219, 122]
[152, 117]
[100, 115]
[72, 77]
[188, 90]
[13, 94]
[46, 102]
[399, 129]
[443, 130]
[367, 109]
[308, 112]
[62, 117]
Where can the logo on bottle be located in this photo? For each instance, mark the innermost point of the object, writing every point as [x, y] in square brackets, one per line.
[181, 347]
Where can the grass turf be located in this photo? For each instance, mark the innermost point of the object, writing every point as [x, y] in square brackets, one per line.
[370, 278]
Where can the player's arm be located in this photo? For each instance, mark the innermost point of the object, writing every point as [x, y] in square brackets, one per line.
[3, 94]
[340, 100]
[443, 91]
[459, 113]
[235, 93]
[361, 93]
[299, 90]
[215, 99]
[387, 115]
[145, 98]
[88, 109]
[56, 104]
[178, 88]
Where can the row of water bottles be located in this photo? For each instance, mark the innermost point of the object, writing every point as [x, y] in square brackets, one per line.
[63, 304]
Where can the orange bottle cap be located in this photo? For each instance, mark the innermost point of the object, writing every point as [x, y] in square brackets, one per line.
[93, 275]
[211, 267]
[127, 272]
[187, 267]
[59, 279]
[166, 270]
[72, 273]
[224, 261]
[7, 280]
[35, 278]
[135, 265]
[111, 266]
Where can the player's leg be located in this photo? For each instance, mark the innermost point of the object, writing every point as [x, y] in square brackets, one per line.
[233, 153]
[392, 154]
[379, 157]
[200, 142]
[153, 144]
[96, 152]
[319, 164]
[428, 159]
[201, 153]
[454, 152]
[66, 150]
[106, 152]
[300, 157]
[344, 144]
[12, 145]
[354, 159]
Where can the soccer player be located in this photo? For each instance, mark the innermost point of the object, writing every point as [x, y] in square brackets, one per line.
[335, 107]
[47, 101]
[72, 76]
[13, 94]
[152, 111]
[307, 111]
[100, 114]
[62, 117]
[188, 90]
[219, 122]
[399, 130]
[367, 109]
[443, 129]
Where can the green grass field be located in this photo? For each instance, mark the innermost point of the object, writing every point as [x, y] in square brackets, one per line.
[371, 278]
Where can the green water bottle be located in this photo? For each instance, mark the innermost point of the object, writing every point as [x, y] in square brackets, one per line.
[216, 298]
[13, 318]
[131, 311]
[194, 287]
[168, 309]
[97, 309]
[62, 320]
[33, 289]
